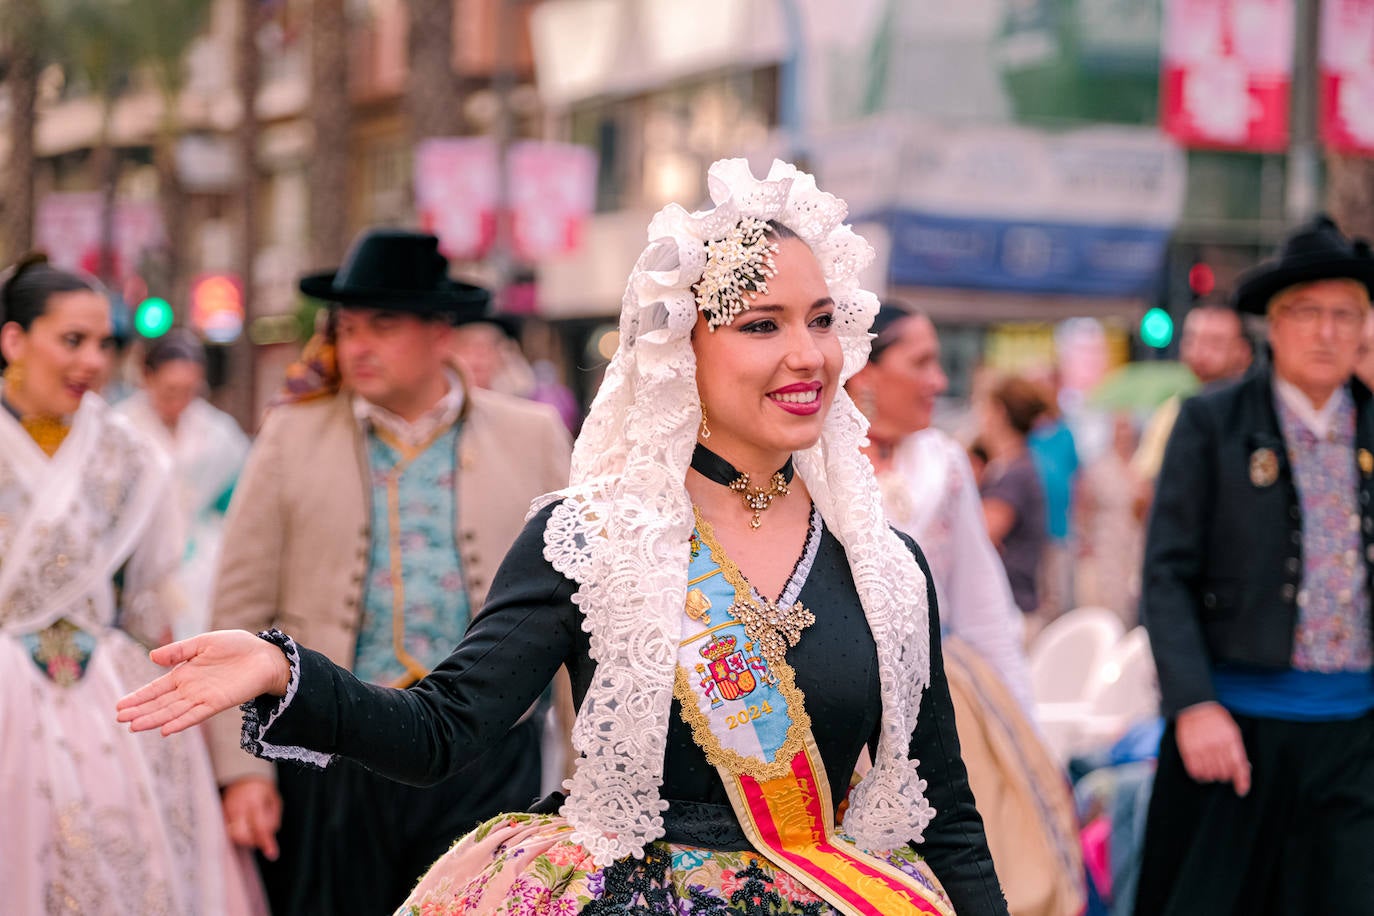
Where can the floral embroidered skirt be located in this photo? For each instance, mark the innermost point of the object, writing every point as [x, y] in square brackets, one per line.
[528, 865]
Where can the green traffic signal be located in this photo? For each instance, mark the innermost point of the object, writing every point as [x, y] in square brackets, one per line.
[1156, 328]
[153, 318]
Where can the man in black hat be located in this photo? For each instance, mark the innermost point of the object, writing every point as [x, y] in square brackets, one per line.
[1257, 588]
[368, 523]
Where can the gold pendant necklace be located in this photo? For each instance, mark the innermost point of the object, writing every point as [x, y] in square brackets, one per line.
[756, 499]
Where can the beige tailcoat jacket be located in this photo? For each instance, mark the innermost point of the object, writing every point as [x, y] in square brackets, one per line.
[297, 541]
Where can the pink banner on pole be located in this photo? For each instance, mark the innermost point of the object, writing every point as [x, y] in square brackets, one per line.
[68, 229]
[552, 190]
[1346, 68]
[1226, 70]
[457, 184]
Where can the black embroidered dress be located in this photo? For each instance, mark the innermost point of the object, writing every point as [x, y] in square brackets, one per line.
[704, 864]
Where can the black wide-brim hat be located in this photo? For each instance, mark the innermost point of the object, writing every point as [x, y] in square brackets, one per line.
[1318, 251]
[402, 271]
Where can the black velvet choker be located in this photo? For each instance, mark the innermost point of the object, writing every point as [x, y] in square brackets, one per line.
[715, 468]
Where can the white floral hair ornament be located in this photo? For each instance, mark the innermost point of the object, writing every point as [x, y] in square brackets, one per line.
[620, 531]
[738, 268]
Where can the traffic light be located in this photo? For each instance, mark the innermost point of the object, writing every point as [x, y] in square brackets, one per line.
[153, 317]
[1201, 280]
[217, 307]
[1156, 328]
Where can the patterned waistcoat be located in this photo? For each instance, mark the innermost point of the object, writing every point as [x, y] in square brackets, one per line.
[415, 608]
[1333, 632]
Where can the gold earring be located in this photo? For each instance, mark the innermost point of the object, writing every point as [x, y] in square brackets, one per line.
[864, 399]
[705, 430]
[868, 403]
[14, 377]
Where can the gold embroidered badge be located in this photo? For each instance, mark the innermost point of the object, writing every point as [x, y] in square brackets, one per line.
[697, 606]
[1264, 467]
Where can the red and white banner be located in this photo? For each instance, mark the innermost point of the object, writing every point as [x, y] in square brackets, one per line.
[458, 195]
[1346, 122]
[68, 229]
[552, 190]
[457, 185]
[1226, 70]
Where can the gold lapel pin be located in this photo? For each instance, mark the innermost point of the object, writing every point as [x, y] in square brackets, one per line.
[1264, 467]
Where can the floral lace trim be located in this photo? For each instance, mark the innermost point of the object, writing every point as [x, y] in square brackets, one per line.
[621, 527]
[253, 738]
[801, 570]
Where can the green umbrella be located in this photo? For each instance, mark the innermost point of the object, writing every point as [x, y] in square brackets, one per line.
[1143, 385]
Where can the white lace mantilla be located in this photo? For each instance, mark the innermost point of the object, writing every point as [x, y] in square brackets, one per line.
[621, 531]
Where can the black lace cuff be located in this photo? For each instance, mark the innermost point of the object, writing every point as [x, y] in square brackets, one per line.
[261, 712]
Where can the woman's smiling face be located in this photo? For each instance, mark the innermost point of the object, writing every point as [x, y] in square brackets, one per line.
[64, 353]
[768, 378]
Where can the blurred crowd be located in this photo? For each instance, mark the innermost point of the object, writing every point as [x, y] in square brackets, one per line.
[395, 469]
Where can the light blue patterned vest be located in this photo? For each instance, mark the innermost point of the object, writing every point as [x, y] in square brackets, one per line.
[415, 604]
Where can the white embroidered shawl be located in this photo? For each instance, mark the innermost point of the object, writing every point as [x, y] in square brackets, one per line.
[69, 522]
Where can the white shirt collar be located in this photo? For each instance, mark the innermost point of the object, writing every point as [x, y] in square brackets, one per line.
[425, 426]
[1319, 420]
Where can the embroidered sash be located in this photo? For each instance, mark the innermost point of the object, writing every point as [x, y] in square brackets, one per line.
[748, 716]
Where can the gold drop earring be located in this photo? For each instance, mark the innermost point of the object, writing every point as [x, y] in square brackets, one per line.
[705, 432]
[867, 402]
[14, 377]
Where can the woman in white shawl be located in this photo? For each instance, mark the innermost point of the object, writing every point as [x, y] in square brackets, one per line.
[207, 450]
[95, 820]
[929, 493]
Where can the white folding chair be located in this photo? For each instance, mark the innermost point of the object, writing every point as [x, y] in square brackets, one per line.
[1069, 650]
[1063, 660]
[1122, 691]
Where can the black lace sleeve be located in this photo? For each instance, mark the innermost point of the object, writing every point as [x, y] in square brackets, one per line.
[259, 714]
[526, 630]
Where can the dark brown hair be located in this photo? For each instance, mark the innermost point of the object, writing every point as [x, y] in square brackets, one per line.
[177, 344]
[27, 287]
[1022, 401]
[887, 326]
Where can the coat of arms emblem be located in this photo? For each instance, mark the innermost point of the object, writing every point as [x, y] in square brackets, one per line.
[729, 673]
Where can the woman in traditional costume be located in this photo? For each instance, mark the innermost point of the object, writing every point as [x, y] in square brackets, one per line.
[737, 616]
[207, 450]
[95, 820]
[929, 493]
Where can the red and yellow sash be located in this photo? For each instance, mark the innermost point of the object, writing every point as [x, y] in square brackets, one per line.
[789, 820]
[770, 766]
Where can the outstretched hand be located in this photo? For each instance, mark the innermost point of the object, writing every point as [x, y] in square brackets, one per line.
[210, 673]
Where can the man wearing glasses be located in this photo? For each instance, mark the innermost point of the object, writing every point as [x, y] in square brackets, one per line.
[1257, 586]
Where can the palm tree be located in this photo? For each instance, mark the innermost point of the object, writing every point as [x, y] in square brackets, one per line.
[22, 28]
[97, 46]
[242, 362]
[331, 118]
[433, 91]
[163, 31]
